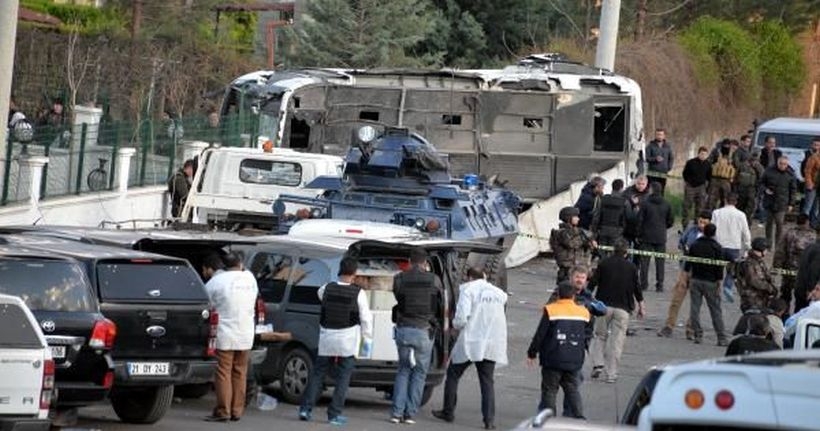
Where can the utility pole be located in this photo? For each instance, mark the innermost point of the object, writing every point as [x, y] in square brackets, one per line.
[8, 37]
[608, 37]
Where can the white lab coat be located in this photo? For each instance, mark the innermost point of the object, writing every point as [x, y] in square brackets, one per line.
[233, 294]
[483, 324]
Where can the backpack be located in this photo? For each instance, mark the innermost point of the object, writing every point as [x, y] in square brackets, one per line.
[723, 168]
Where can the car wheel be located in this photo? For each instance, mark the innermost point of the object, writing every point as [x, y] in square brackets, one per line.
[294, 375]
[192, 391]
[142, 405]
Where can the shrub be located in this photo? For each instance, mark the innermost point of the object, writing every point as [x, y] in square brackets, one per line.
[726, 54]
[782, 67]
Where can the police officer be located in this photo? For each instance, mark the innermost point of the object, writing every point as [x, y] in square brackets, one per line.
[749, 171]
[788, 251]
[344, 317]
[609, 221]
[570, 244]
[419, 297]
[754, 282]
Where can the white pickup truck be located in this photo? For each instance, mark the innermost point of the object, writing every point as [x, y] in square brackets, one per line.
[26, 369]
[234, 188]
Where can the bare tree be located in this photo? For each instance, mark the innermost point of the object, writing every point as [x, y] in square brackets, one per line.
[77, 64]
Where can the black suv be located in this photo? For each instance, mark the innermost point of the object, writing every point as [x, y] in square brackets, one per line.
[59, 294]
[166, 330]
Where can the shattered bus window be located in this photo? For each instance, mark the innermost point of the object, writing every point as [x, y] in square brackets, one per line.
[610, 123]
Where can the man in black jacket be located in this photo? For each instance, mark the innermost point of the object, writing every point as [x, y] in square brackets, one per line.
[609, 220]
[654, 218]
[589, 201]
[635, 196]
[779, 189]
[660, 158]
[618, 286]
[704, 282]
[419, 303]
[756, 339]
[696, 174]
[769, 155]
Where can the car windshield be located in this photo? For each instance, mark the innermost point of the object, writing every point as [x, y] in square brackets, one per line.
[47, 285]
[149, 280]
[16, 330]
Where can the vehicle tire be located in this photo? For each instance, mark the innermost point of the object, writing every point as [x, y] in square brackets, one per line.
[496, 271]
[294, 375]
[192, 391]
[142, 405]
[427, 394]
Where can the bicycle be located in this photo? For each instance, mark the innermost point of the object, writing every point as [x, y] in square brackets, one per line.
[98, 178]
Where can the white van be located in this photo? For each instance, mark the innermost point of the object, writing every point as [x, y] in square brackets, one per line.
[26, 369]
[793, 137]
[236, 187]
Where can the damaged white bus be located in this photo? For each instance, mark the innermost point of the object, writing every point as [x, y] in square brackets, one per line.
[541, 126]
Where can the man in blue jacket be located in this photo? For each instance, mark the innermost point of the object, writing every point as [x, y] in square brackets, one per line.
[560, 344]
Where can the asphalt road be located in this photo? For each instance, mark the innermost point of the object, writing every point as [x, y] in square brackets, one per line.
[517, 387]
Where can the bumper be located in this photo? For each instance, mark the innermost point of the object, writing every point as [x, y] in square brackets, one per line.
[371, 376]
[180, 373]
[12, 424]
[76, 394]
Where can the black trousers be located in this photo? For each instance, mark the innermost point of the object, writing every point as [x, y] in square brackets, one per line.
[551, 380]
[659, 262]
[485, 369]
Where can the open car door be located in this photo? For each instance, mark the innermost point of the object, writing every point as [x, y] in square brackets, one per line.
[807, 334]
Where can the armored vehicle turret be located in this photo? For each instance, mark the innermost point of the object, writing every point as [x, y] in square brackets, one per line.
[398, 177]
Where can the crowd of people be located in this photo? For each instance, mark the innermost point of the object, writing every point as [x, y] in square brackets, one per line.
[726, 189]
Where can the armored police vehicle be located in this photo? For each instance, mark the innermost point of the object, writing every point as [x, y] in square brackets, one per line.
[400, 178]
[541, 125]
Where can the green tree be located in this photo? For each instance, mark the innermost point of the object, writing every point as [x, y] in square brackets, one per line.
[364, 33]
[458, 35]
[782, 67]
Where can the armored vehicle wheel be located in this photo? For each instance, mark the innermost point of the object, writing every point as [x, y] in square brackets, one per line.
[294, 375]
[142, 405]
[496, 271]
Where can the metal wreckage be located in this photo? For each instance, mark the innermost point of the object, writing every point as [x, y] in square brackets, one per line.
[541, 127]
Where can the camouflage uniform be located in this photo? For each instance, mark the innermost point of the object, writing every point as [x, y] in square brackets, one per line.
[571, 246]
[748, 174]
[754, 283]
[787, 256]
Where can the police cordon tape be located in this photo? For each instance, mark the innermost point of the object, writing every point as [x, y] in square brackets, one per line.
[672, 256]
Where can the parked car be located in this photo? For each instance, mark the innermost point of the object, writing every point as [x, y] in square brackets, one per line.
[26, 369]
[771, 390]
[59, 293]
[186, 244]
[290, 270]
[166, 328]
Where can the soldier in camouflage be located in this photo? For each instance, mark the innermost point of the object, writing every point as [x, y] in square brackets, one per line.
[749, 171]
[754, 281]
[571, 245]
[788, 252]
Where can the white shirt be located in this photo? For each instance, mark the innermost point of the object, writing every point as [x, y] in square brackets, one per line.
[732, 228]
[480, 317]
[233, 294]
[812, 311]
[345, 342]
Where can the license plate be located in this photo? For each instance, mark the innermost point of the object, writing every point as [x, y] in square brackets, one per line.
[148, 368]
[57, 352]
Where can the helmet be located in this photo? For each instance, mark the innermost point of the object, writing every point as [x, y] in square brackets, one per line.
[760, 244]
[567, 213]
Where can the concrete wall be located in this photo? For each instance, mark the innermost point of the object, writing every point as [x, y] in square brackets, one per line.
[140, 207]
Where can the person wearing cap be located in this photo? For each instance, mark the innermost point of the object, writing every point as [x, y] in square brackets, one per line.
[754, 281]
[692, 233]
[704, 281]
[570, 244]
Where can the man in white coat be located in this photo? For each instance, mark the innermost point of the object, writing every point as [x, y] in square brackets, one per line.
[233, 293]
[482, 341]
